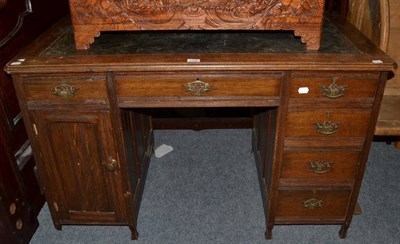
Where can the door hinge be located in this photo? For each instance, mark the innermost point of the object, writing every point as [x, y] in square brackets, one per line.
[55, 206]
[35, 129]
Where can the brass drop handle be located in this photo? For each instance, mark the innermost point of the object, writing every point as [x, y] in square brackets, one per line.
[313, 203]
[64, 91]
[327, 127]
[111, 165]
[333, 90]
[320, 166]
[197, 87]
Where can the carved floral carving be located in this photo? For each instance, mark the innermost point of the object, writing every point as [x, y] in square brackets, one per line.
[198, 14]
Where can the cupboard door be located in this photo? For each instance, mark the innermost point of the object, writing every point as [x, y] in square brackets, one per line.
[82, 172]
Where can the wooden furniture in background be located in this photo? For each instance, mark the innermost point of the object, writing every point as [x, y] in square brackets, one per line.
[90, 18]
[372, 19]
[393, 87]
[389, 118]
[313, 113]
[21, 199]
[379, 21]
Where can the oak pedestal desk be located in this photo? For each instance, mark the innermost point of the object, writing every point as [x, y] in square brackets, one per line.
[86, 114]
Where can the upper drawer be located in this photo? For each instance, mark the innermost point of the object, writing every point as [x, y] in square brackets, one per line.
[70, 89]
[333, 85]
[195, 86]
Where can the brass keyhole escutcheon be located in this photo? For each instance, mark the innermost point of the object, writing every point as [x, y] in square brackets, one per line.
[197, 87]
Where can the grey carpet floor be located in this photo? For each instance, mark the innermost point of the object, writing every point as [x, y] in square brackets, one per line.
[206, 191]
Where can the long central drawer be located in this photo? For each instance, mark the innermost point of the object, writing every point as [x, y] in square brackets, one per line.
[197, 87]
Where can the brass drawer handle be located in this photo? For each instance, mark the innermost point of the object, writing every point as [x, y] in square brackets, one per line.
[64, 91]
[326, 127]
[333, 90]
[197, 87]
[320, 167]
[313, 203]
[111, 165]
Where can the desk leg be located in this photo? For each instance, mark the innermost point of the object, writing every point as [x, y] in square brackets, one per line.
[343, 231]
[268, 232]
[134, 233]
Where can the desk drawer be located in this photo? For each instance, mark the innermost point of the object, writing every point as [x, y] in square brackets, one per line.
[336, 86]
[312, 204]
[334, 123]
[314, 164]
[213, 85]
[66, 89]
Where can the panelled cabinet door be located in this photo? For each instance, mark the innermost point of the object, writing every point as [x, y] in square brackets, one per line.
[82, 172]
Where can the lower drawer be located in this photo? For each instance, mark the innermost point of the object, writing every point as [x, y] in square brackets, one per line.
[316, 164]
[308, 205]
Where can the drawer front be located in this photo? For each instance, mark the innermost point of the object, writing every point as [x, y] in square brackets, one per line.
[337, 123]
[333, 86]
[333, 164]
[177, 86]
[312, 204]
[64, 89]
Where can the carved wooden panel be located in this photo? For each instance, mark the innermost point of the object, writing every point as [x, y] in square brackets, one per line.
[90, 17]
